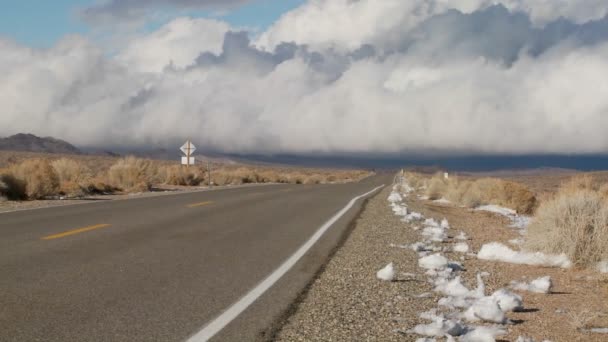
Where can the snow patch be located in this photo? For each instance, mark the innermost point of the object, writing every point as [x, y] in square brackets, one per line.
[395, 197]
[602, 266]
[433, 262]
[461, 247]
[540, 285]
[483, 334]
[496, 251]
[517, 221]
[462, 236]
[387, 273]
[442, 201]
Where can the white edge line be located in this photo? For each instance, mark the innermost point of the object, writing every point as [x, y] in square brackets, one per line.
[215, 326]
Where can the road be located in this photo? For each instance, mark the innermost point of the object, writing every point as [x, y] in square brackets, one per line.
[162, 268]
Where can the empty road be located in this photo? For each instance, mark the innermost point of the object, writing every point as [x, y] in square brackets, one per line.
[162, 268]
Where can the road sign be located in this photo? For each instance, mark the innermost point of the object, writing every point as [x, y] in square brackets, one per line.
[188, 148]
[188, 161]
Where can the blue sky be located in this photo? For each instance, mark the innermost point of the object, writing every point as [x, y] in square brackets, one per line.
[41, 23]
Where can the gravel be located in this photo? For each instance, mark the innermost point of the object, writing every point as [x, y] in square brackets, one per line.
[347, 302]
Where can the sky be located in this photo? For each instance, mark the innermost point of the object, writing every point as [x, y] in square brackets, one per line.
[41, 23]
[321, 77]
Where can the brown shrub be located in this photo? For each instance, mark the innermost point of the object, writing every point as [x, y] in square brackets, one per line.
[436, 187]
[574, 222]
[38, 176]
[457, 190]
[479, 192]
[182, 175]
[416, 180]
[74, 176]
[132, 174]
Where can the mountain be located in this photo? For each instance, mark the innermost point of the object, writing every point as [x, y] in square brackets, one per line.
[32, 143]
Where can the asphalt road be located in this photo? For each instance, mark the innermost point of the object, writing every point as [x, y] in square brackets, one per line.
[161, 268]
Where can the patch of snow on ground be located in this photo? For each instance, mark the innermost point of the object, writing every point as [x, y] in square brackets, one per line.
[461, 247]
[495, 251]
[507, 300]
[433, 262]
[485, 309]
[540, 285]
[602, 266]
[442, 201]
[517, 221]
[439, 327]
[462, 236]
[483, 334]
[399, 210]
[517, 242]
[395, 197]
[387, 273]
[413, 216]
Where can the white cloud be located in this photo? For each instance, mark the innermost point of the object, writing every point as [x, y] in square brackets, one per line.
[424, 80]
[178, 43]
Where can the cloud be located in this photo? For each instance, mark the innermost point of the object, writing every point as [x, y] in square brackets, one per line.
[177, 44]
[112, 10]
[479, 79]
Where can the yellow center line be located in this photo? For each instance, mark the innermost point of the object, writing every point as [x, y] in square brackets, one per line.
[75, 231]
[199, 204]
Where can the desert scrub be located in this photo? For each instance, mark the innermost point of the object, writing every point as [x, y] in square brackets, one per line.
[37, 176]
[74, 177]
[574, 222]
[473, 193]
[132, 174]
[182, 175]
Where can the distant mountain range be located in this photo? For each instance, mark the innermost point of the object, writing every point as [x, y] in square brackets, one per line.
[32, 143]
[25, 142]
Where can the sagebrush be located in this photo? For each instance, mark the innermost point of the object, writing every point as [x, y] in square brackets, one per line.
[574, 222]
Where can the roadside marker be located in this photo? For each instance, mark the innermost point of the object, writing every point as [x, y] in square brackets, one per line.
[237, 308]
[74, 232]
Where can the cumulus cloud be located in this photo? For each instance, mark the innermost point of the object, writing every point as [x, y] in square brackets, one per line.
[479, 78]
[177, 44]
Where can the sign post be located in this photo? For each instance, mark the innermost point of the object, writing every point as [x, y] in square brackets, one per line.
[188, 149]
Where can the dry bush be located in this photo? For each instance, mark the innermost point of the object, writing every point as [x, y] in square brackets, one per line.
[518, 197]
[457, 190]
[74, 176]
[479, 192]
[575, 222]
[436, 187]
[182, 175]
[416, 180]
[132, 174]
[38, 177]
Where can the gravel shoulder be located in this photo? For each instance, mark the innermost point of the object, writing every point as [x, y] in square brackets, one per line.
[346, 302]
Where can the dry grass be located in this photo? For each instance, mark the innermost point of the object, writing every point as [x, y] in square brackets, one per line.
[76, 176]
[36, 176]
[182, 175]
[476, 192]
[574, 222]
[132, 174]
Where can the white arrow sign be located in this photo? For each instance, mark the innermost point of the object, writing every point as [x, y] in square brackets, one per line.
[188, 148]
